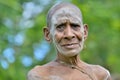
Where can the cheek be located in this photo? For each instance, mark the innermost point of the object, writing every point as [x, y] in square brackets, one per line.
[80, 36]
[57, 37]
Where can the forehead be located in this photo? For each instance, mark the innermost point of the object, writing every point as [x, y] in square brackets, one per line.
[70, 14]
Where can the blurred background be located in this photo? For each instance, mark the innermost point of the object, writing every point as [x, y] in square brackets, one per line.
[22, 44]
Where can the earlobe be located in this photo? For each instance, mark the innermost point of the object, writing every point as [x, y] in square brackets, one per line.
[47, 34]
[85, 31]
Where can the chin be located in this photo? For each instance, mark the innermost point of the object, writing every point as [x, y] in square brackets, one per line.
[70, 53]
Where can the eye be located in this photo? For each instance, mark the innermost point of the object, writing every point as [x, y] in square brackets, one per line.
[60, 27]
[75, 26]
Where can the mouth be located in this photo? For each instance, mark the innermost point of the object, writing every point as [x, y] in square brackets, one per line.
[70, 46]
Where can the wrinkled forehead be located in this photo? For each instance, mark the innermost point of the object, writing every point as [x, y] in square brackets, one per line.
[70, 14]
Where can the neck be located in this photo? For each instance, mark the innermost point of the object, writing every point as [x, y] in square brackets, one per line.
[75, 63]
[74, 60]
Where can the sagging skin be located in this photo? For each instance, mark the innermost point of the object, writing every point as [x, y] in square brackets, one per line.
[68, 33]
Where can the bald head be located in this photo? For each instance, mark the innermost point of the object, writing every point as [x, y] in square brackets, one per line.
[64, 10]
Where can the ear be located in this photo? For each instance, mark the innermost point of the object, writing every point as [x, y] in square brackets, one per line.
[47, 34]
[85, 31]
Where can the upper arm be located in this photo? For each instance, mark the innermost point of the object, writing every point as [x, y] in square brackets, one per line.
[102, 73]
[108, 76]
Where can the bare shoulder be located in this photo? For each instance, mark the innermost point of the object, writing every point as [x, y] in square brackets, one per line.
[37, 73]
[33, 73]
[100, 72]
[40, 72]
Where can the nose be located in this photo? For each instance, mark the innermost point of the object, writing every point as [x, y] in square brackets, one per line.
[68, 34]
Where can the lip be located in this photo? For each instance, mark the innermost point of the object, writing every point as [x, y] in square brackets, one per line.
[70, 46]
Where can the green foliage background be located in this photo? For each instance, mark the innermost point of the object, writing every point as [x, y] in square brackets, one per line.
[102, 45]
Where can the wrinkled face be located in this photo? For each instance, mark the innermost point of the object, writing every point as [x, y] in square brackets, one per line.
[67, 31]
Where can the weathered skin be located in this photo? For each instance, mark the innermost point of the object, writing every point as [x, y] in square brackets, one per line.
[67, 32]
[57, 71]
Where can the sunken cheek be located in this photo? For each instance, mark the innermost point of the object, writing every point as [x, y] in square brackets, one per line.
[58, 37]
[79, 36]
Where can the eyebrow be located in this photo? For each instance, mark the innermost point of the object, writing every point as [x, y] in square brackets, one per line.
[61, 23]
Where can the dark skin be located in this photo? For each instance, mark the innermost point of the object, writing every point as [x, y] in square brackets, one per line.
[68, 34]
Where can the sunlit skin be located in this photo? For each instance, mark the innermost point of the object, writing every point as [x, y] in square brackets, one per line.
[68, 33]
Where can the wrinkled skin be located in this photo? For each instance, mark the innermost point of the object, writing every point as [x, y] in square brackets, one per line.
[68, 34]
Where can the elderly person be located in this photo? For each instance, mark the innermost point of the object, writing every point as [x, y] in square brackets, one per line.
[65, 29]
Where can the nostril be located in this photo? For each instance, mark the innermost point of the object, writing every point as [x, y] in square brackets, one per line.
[69, 37]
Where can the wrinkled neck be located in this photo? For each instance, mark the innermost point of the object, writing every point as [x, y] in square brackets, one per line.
[74, 60]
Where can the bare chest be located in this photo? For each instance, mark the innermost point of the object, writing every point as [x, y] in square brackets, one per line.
[70, 76]
[56, 77]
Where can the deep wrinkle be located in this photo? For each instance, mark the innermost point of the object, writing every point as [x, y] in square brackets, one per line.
[68, 41]
[61, 19]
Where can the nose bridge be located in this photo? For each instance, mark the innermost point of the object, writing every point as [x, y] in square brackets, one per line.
[68, 31]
